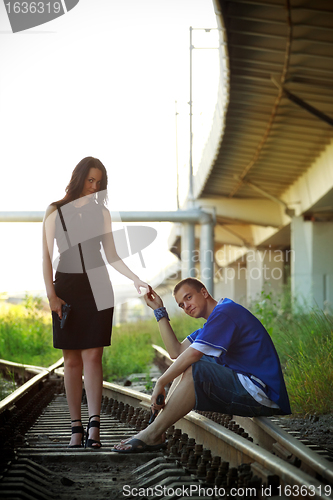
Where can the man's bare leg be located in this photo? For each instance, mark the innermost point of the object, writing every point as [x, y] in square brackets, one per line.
[181, 402]
[171, 390]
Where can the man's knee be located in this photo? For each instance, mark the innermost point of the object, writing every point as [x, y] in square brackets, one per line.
[187, 375]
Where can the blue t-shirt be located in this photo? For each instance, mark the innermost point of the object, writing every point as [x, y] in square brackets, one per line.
[245, 347]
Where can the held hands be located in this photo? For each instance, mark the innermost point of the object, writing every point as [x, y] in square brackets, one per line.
[153, 300]
[140, 284]
[55, 305]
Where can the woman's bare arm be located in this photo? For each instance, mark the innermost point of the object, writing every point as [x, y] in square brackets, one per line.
[48, 242]
[112, 256]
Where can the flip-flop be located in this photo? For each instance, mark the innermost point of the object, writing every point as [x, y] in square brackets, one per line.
[138, 446]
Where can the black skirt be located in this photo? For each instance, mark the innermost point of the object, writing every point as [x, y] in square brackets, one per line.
[86, 327]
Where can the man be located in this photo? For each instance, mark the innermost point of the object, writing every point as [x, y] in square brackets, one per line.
[230, 365]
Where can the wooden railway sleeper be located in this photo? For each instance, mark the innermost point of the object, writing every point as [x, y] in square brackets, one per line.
[199, 468]
[15, 422]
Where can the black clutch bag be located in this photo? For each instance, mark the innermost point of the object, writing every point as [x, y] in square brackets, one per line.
[65, 309]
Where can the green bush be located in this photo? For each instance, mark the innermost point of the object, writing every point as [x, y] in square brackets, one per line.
[130, 352]
[26, 334]
[309, 376]
[303, 339]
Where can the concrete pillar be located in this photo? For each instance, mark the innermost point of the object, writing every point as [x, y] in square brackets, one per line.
[123, 312]
[207, 256]
[188, 250]
[312, 262]
[232, 284]
[239, 291]
[265, 270]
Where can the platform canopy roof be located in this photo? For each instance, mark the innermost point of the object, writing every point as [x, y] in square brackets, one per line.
[270, 153]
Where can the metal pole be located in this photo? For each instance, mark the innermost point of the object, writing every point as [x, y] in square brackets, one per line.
[207, 256]
[190, 197]
[187, 250]
[177, 187]
[188, 217]
[194, 216]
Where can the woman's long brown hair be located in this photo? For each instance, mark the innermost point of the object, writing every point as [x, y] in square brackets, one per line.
[79, 175]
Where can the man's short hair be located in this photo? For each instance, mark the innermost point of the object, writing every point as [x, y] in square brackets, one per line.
[193, 282]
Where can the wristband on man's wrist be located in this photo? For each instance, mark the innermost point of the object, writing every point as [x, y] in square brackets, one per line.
[160, 313]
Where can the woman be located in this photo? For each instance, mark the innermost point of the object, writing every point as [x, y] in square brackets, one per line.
[80, 223]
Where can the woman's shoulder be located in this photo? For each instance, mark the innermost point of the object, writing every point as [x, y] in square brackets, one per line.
[105, 211]
[50, 209]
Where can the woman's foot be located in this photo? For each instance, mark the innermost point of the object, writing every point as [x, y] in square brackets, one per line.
[77, 434]
[93, 439]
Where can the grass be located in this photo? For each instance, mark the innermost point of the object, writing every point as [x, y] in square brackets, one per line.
[131, 351]
[7, 385]
[26, 334]
[304, 341]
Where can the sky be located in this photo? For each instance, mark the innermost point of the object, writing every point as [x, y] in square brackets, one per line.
[101, 80]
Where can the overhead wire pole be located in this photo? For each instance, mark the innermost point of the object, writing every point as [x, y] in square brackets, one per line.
[191, 197]
[191, 200]
[188, 230]
[191, 194]
[177, 166]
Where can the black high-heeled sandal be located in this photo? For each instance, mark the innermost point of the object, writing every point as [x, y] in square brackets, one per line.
[77, 429]
[90, 442]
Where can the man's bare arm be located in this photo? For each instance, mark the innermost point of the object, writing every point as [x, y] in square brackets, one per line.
[172, 344]
[184, 361]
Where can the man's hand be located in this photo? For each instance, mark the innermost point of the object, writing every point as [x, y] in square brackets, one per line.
[153, 300]
[158, 389]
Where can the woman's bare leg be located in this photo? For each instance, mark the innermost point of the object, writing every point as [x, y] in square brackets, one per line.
[93, 382]
[73, 383]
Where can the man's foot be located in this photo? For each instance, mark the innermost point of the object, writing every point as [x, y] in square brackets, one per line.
[139, 443]
[135, 445]
[163, 437]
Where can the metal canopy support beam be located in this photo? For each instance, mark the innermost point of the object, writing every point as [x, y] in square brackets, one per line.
[297, 100]
[264, 193]
[314, 111]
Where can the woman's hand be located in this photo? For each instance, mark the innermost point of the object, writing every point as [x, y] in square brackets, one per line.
[153, 300]
[55, 304]
[140, 284]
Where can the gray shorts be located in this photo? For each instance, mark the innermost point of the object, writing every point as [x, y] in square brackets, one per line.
[218, 388]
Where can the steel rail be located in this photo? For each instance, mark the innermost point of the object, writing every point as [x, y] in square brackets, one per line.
[220, 440]
[32, 384]
[224, 442]
[266, 434]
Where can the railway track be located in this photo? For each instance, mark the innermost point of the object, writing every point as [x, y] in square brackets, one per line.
[208, 455]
